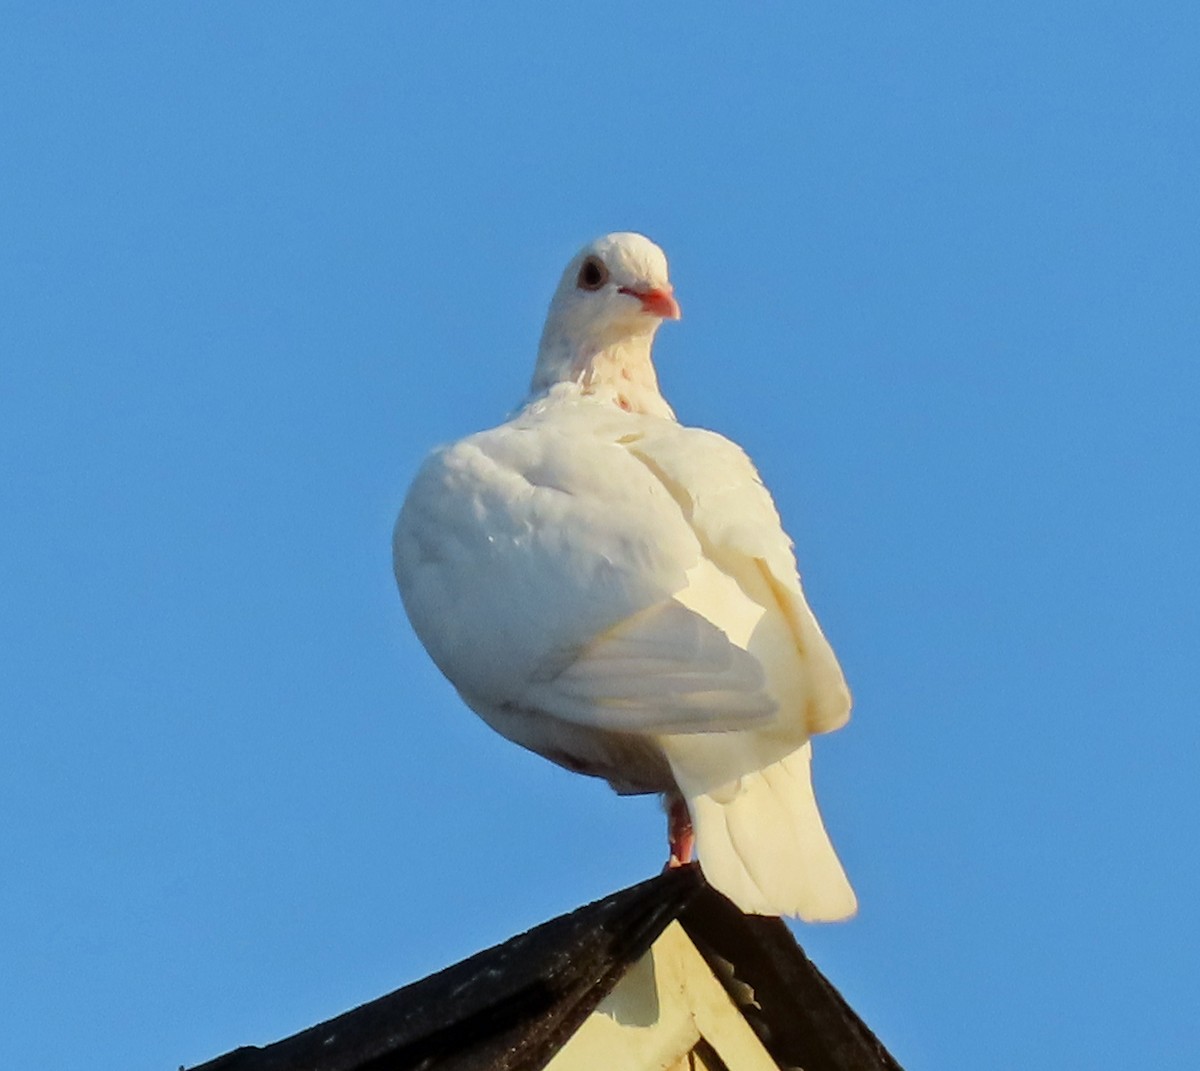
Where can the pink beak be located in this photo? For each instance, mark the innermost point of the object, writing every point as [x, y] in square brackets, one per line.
[657, 302]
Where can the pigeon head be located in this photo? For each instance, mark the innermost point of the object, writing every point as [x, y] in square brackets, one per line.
[612, 298]
[614, 287]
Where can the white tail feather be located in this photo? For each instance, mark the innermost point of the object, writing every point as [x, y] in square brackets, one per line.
[761, 841]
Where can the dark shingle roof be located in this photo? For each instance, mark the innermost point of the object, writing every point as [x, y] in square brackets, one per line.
[510, 1008]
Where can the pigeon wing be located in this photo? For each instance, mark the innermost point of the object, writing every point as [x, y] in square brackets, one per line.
[732, 515]
[561, 554]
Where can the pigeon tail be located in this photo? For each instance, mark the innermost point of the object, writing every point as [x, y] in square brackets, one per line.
[762, 843]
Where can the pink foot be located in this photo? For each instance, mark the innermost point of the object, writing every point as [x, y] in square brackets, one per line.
[680, 835]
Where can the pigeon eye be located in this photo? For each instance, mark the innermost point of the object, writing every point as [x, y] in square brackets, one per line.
[592, 275]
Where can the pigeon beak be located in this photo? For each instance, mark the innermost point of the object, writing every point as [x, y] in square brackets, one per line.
[658, 301]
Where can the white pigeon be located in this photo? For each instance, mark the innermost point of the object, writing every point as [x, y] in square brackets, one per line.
[614, 591]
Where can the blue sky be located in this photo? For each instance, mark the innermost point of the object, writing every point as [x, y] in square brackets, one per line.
[939, 271]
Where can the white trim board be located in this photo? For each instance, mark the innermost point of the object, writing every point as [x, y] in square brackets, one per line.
[666, 1002]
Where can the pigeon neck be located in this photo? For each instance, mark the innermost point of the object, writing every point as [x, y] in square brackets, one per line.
[621, 372]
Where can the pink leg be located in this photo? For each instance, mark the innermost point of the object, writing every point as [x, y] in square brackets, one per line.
[679, 833]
